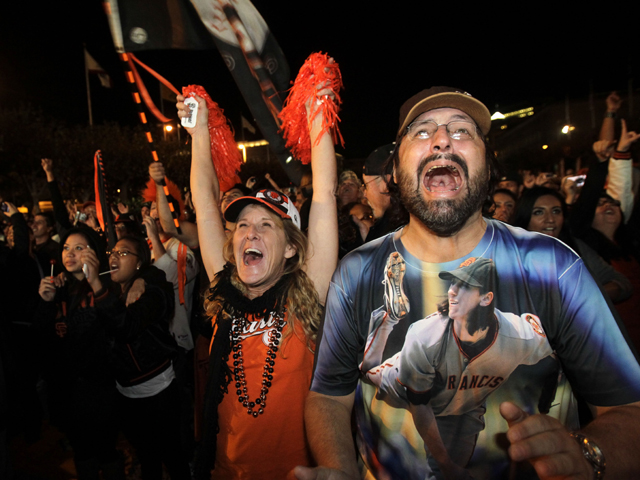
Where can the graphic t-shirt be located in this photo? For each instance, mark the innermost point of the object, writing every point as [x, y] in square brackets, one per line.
[455, 340]
[270, 445]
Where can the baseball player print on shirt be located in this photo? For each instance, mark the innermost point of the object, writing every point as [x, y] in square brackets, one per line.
[452, 360]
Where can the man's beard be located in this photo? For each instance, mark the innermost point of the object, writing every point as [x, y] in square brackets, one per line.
[443, 217]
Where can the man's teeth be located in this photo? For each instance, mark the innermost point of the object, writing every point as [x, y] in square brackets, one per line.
[450, 167]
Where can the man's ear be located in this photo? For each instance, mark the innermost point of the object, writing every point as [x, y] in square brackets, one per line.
[486, 299]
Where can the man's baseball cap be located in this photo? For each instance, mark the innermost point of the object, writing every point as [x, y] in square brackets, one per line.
[511, 176]
[374, 163]
[276, 201]
[444, 97]
[477, 272]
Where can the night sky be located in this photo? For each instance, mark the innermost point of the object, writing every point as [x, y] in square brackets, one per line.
[387, 52]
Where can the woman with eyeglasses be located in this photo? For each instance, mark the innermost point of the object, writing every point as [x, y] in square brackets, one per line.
[80, 386]
[136, 313]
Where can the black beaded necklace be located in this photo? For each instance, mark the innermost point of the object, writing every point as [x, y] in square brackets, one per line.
[238, 327]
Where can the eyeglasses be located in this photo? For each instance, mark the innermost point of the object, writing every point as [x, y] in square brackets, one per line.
[364, 185]
[121, 253]
[457, 130]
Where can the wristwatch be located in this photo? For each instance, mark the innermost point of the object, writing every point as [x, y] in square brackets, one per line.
[592, 453]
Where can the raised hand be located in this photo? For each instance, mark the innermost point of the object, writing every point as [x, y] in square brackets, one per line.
[613, 102]
[203, 113]
[156, 172]
[47, 166]
[626, 138]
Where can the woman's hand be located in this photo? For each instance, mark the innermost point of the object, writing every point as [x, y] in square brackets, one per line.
[202, 118]
[47, 289]
[136, 291]
[90, 259]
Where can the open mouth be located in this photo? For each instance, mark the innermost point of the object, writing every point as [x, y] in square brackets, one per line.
[252, 256]
[114, 267]
[443, 178]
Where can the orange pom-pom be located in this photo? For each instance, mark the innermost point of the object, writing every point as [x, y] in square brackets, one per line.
[149, 194]
[316, 71]
[224, 151]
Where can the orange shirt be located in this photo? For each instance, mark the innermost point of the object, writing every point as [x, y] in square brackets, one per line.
[270, 445]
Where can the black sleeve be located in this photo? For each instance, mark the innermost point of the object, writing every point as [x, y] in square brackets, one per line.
[20, 234]
[59, 209]
[584, 209]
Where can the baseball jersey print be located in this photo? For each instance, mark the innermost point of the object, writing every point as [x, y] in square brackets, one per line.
[512, 320]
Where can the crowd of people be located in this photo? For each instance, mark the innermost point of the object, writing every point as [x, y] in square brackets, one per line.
[392, 323]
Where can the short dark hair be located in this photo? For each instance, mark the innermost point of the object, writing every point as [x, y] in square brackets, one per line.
[48, 218]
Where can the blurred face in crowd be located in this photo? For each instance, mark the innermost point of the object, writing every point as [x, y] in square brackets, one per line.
[608, 215]
[145, 211]
[40, 228]
[90, 210]
[348, 192]
[72, 252]
[304, 190]
[260, 248]
[505, 207]
[443, 181]
[229, 196]
[121, 230]
[546, 216]
[377, 194]
[364, 213]
[510, 185]
[125, 262]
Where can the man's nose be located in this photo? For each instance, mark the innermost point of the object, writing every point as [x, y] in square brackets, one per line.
[440, 140]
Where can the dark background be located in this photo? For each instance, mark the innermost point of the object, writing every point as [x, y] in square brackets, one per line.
[387, 52]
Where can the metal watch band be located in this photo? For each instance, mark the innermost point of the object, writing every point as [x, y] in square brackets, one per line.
[592, 453]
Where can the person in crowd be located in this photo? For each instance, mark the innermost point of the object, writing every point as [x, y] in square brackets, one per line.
[136, 313]
[444, 172]
[268, 284]
[388, 213]
[80, 385]
[363, 215]
[21, 273]
[355, 219]
[85, 216]
[597, 219]
[174, 258]
[44, 247]
[512, 181]
[543, 210]
[237, 191]
[505, 205]
[349, 188]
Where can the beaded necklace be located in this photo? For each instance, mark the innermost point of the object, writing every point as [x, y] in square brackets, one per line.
[239, 324]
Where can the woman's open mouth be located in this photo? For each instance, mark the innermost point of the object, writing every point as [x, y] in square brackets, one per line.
[252, 256]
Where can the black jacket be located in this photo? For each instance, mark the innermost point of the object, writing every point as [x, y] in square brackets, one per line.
[141, 343]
